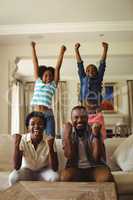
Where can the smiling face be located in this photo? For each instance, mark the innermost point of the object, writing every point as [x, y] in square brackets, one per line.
[79, 119]
[36, 127]
[47, 76]
[91, 71]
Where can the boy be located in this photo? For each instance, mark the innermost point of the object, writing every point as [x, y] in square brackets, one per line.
[91, 79]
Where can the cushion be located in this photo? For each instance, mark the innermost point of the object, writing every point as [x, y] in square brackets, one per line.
[123, 154]
[110, 146]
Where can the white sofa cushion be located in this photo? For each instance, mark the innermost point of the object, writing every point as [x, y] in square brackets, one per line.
[110, 146]
[123, 155]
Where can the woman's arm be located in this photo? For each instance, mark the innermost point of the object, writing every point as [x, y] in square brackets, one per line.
[35, 60]
[53, 158]
[17, 154]
[59, 63]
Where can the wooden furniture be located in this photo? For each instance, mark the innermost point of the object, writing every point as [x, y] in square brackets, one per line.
[39, 190]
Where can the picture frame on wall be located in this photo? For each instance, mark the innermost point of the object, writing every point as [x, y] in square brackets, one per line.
[109, 102]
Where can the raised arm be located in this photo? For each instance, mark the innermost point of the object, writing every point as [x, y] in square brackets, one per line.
[81, 70]
[78, 56]
[17, 154]
[105, 49]
[35, 60]
[102, 65]
[59, 63]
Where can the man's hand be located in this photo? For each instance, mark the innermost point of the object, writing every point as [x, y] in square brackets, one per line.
[77, 45]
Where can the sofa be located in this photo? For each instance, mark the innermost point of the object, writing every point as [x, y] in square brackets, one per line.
[124, 179]
[122, 176]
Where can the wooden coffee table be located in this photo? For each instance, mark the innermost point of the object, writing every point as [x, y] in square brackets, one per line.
[39, 190]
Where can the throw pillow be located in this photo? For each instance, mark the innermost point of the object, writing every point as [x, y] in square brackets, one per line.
[123, 155]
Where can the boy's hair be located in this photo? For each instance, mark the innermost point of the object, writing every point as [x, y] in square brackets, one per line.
[34, 114]
[42, 69]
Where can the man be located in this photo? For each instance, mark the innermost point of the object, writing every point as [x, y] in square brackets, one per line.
[35, 157]
[84, 151]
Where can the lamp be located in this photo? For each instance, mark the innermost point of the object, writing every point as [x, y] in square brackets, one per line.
[121, 130]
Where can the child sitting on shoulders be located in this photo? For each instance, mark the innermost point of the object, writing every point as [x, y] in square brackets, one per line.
[91, 78]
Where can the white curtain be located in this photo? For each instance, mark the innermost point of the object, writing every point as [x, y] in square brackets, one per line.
[130, 95]
[28, 92]
[17, 108]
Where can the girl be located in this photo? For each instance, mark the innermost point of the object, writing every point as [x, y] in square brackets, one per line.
[46, 81]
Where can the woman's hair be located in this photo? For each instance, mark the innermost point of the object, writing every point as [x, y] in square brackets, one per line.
[34, 114]
[42, 69]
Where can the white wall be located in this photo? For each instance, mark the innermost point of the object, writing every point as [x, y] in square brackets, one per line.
[120, 66]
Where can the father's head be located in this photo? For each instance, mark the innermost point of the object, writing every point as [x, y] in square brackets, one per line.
[79, 117]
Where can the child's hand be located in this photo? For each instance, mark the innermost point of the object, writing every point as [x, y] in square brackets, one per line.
[63, 48]
[105, 45]
[77, 45]
[33, 44]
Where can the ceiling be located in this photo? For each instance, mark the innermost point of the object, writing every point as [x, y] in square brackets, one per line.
[65, 20]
